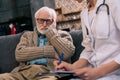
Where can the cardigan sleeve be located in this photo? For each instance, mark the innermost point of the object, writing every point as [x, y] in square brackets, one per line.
[26, 49]
[62, 42]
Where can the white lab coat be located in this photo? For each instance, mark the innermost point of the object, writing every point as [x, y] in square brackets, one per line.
[102, 43]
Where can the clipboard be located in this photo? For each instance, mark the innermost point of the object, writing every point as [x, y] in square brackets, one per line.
[64, 72]
[65, 75]
[56, 72]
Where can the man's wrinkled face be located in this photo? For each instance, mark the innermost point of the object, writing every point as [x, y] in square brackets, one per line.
[43, 21]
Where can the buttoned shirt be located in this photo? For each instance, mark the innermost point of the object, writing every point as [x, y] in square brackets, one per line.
[42, 41]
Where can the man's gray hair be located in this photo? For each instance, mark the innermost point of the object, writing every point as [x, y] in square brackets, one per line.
[51, 11]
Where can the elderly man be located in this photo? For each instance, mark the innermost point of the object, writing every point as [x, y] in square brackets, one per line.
[38, 49]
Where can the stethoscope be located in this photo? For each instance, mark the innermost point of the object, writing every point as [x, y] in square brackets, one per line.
[103, 4]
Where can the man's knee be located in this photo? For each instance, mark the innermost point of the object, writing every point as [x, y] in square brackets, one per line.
[47, 78]
[40, 68]
[6, 76]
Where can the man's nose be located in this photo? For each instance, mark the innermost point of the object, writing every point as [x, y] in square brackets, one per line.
[44, 23]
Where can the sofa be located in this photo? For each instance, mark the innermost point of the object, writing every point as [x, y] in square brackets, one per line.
[9, 43]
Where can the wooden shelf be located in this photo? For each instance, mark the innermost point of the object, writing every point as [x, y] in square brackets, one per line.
[68, 14]
[56, 9]
[65, 11]
[73, 13]
[71, 20]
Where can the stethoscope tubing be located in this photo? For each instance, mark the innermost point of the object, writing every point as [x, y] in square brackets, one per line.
[104, 4]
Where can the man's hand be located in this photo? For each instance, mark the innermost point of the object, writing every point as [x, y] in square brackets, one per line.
[50, 28]
[51, 32]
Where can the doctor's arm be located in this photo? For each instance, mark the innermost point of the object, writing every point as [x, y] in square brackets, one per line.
[98, 72]
[108, 68]
[70, 67]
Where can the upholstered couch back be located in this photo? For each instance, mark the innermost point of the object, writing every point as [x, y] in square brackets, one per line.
[77, 39]
[7, 52]
[9, 43]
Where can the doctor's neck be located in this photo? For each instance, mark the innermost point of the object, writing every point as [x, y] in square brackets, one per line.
[92, 4]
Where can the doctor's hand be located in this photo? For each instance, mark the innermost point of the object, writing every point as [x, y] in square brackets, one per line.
[63, 66]
[88, 73]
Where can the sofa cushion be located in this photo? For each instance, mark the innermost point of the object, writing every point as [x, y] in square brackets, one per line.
[7, 52]
[77, 39]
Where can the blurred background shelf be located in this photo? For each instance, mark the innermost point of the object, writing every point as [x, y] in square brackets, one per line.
[68, 14]
[21, 13]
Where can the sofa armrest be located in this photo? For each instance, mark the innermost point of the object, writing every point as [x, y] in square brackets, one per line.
[7, 52]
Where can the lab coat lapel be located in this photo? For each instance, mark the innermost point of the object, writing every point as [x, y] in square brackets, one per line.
[86, 19]
[35, 37]
[85, 16]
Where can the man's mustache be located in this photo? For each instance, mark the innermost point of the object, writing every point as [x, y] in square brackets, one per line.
[42, 28]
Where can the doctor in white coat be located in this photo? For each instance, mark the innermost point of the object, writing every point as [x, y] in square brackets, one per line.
[100, 60]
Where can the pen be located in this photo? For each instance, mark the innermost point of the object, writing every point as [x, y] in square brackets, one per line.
[61, 58]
